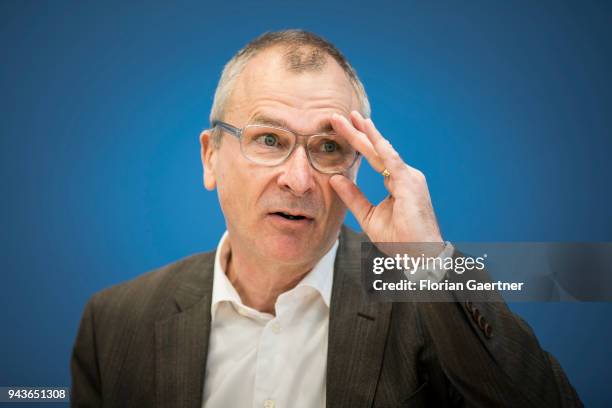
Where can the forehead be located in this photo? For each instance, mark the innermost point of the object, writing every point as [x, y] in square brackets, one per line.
[302, 100]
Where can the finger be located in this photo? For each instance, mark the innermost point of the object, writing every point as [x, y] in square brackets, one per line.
[358, 140]
[354, 199]
[358, 121]
[383, 148]
[400, 171]
[362, 125]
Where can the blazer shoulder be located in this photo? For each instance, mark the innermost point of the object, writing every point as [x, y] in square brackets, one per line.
[155, 288]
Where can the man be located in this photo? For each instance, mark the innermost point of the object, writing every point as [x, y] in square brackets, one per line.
[276, 316]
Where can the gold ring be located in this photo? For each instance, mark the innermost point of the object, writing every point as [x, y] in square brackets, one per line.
[386, 173]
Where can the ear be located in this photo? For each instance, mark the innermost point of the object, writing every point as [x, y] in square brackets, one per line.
[209, 155]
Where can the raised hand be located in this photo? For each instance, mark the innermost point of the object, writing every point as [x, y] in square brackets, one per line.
[406, 215]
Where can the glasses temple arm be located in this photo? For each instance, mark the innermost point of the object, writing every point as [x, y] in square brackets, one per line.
[226, 126]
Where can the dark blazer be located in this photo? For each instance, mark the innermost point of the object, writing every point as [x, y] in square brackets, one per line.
[144, 343]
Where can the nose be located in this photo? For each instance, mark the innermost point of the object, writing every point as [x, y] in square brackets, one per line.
[297, 173]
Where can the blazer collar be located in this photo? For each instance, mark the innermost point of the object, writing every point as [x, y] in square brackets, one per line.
[181, 340]
[357, 331]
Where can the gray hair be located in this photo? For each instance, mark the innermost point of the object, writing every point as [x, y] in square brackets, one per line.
[304, 51]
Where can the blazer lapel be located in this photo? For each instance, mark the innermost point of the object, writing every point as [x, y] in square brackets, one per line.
[181, 342]
[357, 331]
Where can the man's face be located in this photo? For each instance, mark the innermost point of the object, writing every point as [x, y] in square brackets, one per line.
[252, 196]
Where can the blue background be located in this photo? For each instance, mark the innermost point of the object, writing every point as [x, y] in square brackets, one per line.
[505, 106]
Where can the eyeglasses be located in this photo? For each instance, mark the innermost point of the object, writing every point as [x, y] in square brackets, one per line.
[271, 146]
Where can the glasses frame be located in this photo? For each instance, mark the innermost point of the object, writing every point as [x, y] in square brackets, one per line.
[237, 132]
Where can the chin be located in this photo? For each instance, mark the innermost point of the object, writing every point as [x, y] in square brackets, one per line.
[289, 249]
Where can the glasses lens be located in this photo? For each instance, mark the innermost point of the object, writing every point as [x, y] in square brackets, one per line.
[266, 145]
[331, 153]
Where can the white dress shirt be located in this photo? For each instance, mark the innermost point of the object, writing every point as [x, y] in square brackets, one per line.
[259, 360]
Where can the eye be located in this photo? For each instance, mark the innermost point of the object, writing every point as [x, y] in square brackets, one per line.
[268, 139]
[329, 146]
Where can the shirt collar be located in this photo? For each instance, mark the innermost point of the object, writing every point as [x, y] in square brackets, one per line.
[319, 278]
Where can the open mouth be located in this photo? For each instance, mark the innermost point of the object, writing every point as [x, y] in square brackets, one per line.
[291, 216]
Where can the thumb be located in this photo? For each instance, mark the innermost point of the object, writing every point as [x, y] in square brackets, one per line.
[354, 199]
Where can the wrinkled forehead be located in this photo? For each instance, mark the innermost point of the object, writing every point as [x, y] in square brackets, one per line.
[303, 100]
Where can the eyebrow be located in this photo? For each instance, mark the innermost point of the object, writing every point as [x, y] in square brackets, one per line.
[324, 126]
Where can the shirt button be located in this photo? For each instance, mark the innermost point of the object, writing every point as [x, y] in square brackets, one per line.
[276, 329]
[269, 403]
